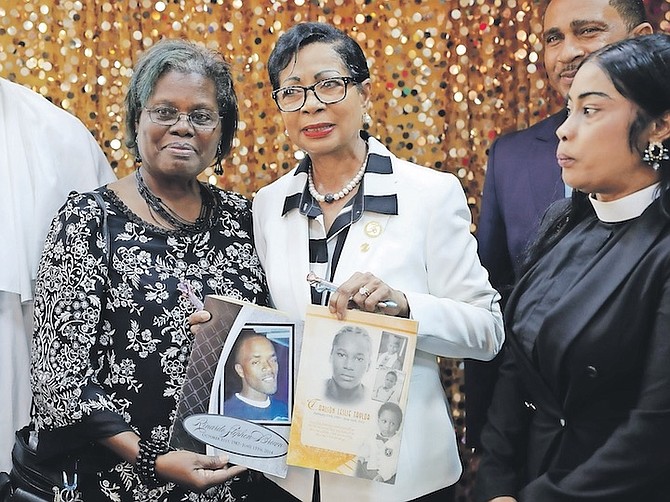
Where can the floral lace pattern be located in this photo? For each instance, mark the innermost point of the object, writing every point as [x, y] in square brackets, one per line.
[113, 336]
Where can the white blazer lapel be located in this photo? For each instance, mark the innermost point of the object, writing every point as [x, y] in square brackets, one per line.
[297, 256]
[361, 251]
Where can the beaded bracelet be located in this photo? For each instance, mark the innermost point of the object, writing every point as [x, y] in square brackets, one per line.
[145, 465]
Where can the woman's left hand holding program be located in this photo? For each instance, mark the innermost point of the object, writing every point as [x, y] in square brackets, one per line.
[194, 471]
[370, 294]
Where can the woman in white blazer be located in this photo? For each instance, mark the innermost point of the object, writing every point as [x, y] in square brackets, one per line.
[384, 229]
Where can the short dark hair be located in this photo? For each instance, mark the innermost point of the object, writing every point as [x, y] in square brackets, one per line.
[304, 34]
[393, 408]
[631, 11]
[183, 57]
[352, 330]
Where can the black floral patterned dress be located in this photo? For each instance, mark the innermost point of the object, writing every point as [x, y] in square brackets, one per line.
[111, 339]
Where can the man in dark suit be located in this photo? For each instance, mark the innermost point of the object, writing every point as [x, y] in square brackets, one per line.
[523, 177]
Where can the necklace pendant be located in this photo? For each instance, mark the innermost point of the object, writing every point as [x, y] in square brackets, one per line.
[329, 198]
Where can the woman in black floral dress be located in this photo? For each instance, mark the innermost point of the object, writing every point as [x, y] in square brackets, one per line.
[111, 339]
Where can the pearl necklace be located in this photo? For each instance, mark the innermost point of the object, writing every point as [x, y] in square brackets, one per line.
[329, 198]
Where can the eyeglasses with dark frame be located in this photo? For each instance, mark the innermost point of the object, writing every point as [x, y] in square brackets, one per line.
[204, 120]
[328, 91]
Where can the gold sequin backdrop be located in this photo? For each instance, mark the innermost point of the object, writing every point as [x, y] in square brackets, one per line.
[448, 75]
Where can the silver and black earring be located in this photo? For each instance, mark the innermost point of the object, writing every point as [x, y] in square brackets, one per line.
[654, 154]
[367, 120]
[138, 157]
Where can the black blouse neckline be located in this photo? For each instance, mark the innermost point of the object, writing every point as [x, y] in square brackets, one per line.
[134, 218]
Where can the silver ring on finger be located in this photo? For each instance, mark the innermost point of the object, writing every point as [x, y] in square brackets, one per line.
[364, 291]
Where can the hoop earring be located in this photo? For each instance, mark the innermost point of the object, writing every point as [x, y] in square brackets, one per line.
[218, 168]
[654, 154]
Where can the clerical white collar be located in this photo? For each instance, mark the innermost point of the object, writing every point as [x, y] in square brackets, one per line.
[251, 402]
[626, 208]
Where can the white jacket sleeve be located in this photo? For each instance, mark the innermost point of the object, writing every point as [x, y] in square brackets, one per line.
[459, 316]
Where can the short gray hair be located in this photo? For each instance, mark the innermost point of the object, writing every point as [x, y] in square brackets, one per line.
[183, 57]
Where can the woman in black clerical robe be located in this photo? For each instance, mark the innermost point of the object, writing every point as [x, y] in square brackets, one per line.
[582, 407]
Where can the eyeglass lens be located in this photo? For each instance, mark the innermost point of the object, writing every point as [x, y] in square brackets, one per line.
[328, 91]
[167, 116]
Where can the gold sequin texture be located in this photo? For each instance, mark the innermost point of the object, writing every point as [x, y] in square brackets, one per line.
[448, 77]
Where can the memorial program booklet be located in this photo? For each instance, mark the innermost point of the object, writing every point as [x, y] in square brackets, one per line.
[238, 390]
[351, 393]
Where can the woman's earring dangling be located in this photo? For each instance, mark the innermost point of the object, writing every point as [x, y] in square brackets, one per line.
[366, 118]
[286, 133]
[654, 154]
[218, 168]
[138, 157]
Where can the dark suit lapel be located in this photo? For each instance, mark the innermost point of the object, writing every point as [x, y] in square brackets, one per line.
[570, 316]
[548, 130]
[545, 180]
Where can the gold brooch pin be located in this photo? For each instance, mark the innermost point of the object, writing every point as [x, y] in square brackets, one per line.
[373, 229]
